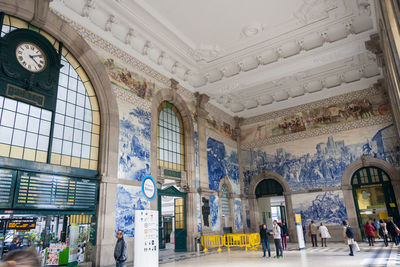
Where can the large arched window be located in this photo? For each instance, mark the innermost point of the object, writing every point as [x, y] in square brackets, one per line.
[170, 146]
[66, 135]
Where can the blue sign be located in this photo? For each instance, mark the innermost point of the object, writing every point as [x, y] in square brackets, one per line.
[149, 188]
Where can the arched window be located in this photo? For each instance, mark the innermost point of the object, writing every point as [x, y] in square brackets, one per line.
[369, 175]
[67, 134]
[171, 146]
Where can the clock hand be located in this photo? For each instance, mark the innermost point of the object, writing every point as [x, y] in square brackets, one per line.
[33, 58]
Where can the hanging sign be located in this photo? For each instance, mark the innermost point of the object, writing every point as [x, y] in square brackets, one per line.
[149, 188]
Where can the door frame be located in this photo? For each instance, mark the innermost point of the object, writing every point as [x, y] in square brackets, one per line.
[171, 191]
[388, 192]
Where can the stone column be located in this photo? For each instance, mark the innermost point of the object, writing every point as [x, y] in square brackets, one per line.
[254, 213]
[201, 101]
[291, 225]
[351, 210]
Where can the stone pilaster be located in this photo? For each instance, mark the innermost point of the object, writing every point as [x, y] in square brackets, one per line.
[201, 101]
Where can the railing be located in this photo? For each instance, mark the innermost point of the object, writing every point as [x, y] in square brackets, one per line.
[248, 241]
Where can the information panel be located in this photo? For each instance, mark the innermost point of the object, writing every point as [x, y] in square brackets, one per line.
[7, 178]
[45, 191]
[146, 238]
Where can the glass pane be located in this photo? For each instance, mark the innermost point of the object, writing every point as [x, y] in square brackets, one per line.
[76, 151]
[6, 134]
[43, 143]
[21, 121]
[33, 125]
[8, 117]
[46, 115]
[62, 93]
[68, 131]
[10, 104]
[67, 148]
[34, 112]
[23, 108]
[69, 121]
[31, 140]
[85, 151]
[57, 145]
[18, 138]
[58, 131]
[44, 127]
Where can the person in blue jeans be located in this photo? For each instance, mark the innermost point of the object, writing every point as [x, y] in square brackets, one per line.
[264, 234]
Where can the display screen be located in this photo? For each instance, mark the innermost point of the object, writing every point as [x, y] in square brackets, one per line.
[45, 191]
[21, 224]
[7, 178]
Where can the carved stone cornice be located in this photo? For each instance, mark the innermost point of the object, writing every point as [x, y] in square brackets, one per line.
[41, 12]
[201, 101]
[173, 84]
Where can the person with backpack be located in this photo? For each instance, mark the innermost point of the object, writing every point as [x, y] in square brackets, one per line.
[383, 232]
[370, 233]
[313, 233]
[348, 234]
[264, 235]
[393, 231]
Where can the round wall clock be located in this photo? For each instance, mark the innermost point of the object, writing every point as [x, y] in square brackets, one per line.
[30, 56]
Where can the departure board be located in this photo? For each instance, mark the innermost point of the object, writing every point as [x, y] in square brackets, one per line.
[7, 179]
[46, 191]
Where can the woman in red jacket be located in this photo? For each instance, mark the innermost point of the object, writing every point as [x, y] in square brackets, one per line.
[370, 233]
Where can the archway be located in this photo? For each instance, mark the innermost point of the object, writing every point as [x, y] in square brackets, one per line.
[186, 178]
[367, 165]
[262, 188]
[226, 203]
[39, 14]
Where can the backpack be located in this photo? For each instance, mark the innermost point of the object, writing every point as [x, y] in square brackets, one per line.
[349, 232]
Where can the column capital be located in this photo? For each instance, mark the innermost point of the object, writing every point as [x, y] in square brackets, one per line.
[201, 101]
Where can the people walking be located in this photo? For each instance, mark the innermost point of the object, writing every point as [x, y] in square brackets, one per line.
[348, 235]
[120, 250]
[283, 235]
[304, 232]
[276, 232]
[383, 232]
[393, 232]
[264, 234]
[376, 225]
[324, 234]
[313, 233]
[370, 233]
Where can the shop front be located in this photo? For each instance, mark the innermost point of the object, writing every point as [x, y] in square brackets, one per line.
[55, 214]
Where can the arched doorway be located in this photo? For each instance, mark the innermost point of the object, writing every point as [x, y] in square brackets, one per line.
[271, 202]
[374, 197]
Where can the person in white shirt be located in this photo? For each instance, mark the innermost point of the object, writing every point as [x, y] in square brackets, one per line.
[324, 234]
[276, 232]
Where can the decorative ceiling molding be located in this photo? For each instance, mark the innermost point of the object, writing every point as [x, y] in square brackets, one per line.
[313, 28]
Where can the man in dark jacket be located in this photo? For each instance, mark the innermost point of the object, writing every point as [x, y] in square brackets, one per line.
[264, 234]
[120, 250]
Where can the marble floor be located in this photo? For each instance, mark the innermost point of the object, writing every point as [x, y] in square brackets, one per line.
[335, 255]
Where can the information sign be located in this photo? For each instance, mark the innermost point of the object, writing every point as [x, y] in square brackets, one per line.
[146, 238]
[299, 230]
[45, 191]
[149, 188]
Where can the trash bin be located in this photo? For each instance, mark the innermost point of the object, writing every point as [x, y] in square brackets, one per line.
[197, 242]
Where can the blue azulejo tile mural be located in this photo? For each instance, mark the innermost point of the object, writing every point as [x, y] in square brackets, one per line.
[215, 213]
[129, 199]
[326, 207]
[134, 143]
[222, 161]
[198, 205]
[319, 162]
[238, 213]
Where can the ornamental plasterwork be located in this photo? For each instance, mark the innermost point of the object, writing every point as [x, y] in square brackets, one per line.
[373, 90]
[319, 131]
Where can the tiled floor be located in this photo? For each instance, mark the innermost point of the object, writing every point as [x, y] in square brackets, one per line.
[334, 255]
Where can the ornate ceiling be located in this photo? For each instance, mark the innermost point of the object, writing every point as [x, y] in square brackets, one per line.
[250, 59]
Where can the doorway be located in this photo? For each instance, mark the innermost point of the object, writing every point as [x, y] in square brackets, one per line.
[172, 219]
[271, 203]
[373, 196]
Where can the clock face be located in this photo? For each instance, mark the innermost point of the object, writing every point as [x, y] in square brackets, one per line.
[30, 56]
